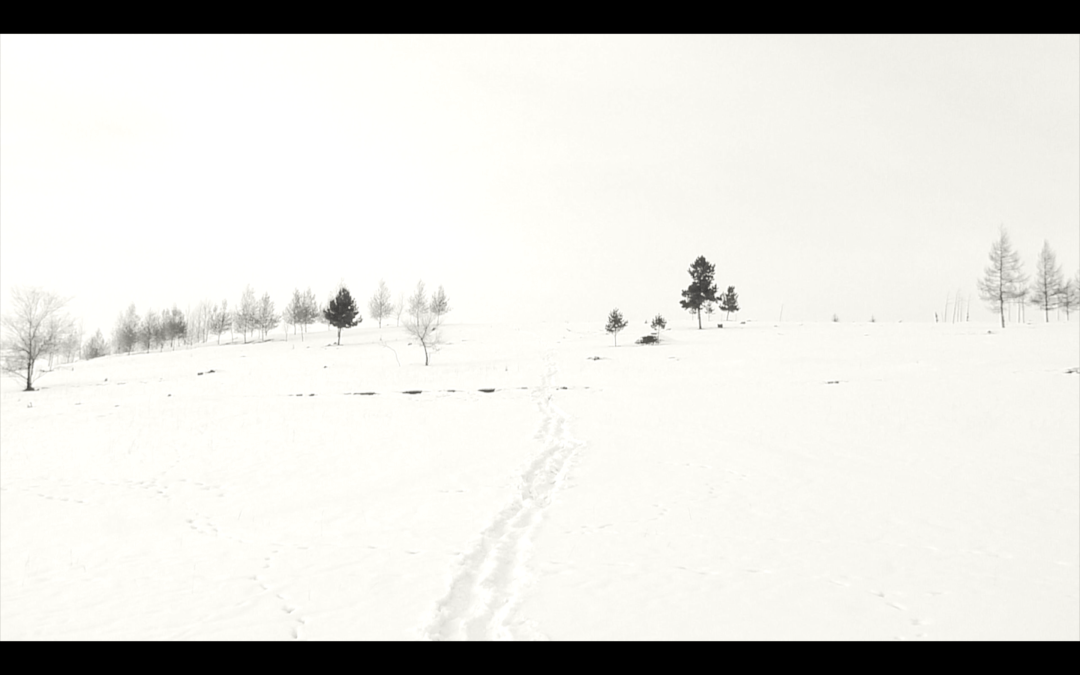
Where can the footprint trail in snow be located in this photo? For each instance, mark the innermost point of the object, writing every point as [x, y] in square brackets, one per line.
[489, 585]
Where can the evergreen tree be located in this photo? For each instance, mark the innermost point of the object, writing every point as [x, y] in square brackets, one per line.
[701, 289]
[439, 304]
[341, 311]
[1003, 279]
[615, 323]
[1046, 287]
[729, 302]
[658, 322]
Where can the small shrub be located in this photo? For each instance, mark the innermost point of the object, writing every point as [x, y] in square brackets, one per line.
[648, 340]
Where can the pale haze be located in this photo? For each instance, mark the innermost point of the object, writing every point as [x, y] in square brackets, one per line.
[535, 177]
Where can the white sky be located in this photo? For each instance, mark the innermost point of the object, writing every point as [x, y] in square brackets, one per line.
[545, 177]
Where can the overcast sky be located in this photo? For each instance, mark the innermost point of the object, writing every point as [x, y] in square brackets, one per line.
[544, 177]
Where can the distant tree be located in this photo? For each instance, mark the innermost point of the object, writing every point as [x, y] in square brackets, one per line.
[380, 305]
[1003, 279]
[246, 317]
[341, 311]
[220, 319]
[1048, 282]
[835, 318]
[35, 328]
[150, 329]
[95, 347]
[729, 302]
[126, 331]
[197, 319]
[701, 289]
[440, 306]
[70, 343]
[422, 322]
[1069, 297]
[709, 308]
[303, 310]
[175, 324]
[266, 318]
[615, 323]
[399, 307]
[657, 324]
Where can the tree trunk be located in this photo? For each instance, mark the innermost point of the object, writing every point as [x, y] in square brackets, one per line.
[29, 373]
[699, 319]
[339, 338]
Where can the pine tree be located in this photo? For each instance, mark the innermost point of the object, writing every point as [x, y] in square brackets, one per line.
[658, 322]
[439, 304]
[615, 323]
[701, 289]
[341, 311]
[1003, 279]
[1046, 287]
[729, 302]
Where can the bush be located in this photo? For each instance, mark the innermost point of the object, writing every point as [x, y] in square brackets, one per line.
[648, 340]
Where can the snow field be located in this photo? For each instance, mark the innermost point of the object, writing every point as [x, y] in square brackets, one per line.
[832, 481]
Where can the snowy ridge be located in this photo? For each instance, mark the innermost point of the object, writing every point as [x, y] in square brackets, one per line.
[489, 585]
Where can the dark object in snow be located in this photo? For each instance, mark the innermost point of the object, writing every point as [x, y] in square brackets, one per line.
[311, 394]
[413, 391]
[487, 391]
[719, 325]
[1073, 371]
[365, 393]
[648, 340]
[833, 382]
[199, 373]
[169, 395]
[592, 358]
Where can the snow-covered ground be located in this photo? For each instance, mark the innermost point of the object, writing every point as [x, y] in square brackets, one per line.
[760, 481]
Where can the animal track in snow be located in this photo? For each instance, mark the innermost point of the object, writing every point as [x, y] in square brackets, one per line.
[489, 583]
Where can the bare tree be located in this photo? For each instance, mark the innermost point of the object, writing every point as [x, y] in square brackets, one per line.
[305, 310]
[220, 319]
[422, 323]
[36, 327]
[1046, 287]
[95, 347]
[266, 318]
[400, 306]
[1069, 296]
[380, 306]
[1003, 279]
[246, 317]
[126, 331]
